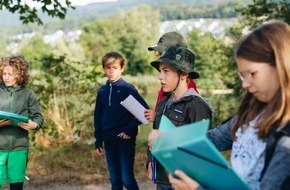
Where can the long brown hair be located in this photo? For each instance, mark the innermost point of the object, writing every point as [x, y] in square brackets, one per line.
[269, 43]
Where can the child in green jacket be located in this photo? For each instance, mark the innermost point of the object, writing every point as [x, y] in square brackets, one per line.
[14, 140]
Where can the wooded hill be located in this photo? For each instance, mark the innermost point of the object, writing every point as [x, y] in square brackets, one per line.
[169, 10]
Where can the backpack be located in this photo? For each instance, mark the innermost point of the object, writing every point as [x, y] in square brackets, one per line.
[270, 148]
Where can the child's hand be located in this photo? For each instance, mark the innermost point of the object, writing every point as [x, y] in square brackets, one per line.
[184, 182]
[149, 115]
[100, 151]
[153, 134]
[124, 136]
[31, 125]
[149, 170]
[5, 122]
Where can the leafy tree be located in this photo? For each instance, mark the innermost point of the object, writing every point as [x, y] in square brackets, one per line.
[98, 38]
[263, 10]
[213, 58]
[129, 33]
[3, 45]
[251, 16]
[137, 28]
[34, 49]
[30, 14]
[65, 85]
[218, 73]
[70, 94]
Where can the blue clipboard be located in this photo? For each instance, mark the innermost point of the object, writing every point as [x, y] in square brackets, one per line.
[15, 118]
[162, 128]
[187, 148]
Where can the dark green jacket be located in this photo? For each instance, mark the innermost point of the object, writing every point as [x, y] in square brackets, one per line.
[19, 100]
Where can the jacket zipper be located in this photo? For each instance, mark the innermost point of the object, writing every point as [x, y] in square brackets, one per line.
[11, 110]
[110, 94]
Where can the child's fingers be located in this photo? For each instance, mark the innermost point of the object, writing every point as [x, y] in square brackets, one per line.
[184, 182]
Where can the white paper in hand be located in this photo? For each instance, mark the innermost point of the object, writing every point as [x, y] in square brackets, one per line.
[135, 108]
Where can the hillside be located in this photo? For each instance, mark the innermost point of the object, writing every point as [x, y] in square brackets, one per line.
[110, 8]
[169, 10]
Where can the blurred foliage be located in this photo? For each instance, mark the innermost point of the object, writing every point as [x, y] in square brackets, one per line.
[29, 13]
[65, 84]
[129, 33]
[34, 50]
[263, 10]
[170, 11]
[213, 58]
[81, 15]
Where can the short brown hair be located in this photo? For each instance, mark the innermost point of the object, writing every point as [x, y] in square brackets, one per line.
[111, 57]
[20, 69]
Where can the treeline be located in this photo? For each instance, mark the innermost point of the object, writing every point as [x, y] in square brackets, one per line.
[167, 9]
[182, 11]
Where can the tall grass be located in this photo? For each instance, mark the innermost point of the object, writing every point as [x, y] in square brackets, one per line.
[65, 151]
[69, 118]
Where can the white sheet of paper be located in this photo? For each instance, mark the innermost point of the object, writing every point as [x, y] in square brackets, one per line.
[135, 108]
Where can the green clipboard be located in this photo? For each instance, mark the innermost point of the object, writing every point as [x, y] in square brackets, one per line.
[15, 118]
[187, 148]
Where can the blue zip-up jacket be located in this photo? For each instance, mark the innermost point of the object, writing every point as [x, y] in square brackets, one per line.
[110, 117]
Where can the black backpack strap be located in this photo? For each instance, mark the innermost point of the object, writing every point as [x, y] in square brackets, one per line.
[286, 184]
[271, 145]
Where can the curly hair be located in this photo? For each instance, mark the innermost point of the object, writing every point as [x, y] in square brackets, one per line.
[19, 66]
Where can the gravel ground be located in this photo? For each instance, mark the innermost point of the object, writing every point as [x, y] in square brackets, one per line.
[142, 186]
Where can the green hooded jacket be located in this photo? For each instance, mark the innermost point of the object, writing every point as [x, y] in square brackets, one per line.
[19, 100]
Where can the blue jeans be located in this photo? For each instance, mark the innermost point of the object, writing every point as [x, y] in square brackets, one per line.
[120, 155]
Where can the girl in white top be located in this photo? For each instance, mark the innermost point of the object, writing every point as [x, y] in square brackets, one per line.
[263, 60]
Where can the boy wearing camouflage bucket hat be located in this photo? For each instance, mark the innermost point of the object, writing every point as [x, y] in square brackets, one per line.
[183, 105]
[166, 40]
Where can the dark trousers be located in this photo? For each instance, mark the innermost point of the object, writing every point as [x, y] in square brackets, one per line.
[164, 186]
[16, 186]
[120, 155]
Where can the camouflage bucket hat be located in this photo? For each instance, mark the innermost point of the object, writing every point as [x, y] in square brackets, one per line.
[178, 57]
[168, 39]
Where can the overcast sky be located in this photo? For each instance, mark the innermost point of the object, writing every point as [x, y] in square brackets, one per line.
[84, 2]
[74, 2]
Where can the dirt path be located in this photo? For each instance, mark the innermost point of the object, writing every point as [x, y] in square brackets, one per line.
[142, 186]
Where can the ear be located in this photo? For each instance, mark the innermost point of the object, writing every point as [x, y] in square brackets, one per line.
[122, 69]
[184, 76]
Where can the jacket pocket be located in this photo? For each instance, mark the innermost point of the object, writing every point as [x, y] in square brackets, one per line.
[177, 117]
